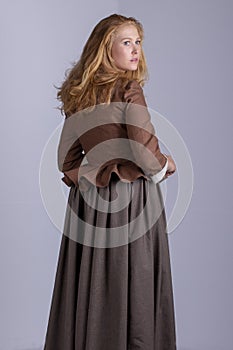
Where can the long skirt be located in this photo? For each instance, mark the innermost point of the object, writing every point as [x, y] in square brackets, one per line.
[113, 286]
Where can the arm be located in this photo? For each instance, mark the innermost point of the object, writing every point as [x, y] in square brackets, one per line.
[70, 153]
[141, 133]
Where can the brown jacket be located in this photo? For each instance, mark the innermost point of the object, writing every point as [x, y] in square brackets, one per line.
[117, 138]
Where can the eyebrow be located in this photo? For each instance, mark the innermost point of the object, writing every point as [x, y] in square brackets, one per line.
[128, 37]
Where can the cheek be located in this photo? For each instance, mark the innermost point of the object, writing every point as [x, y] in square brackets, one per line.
[116, 52]
[119, 52]
[139, 50]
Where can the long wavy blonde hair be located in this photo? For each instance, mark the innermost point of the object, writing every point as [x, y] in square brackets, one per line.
[90, 81]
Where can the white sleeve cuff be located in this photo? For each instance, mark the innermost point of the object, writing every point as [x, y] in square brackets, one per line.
[160, 175]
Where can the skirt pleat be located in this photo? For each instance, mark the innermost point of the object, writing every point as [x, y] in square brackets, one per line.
[113, 287]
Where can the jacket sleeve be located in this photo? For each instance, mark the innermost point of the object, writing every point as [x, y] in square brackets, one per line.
[141, 133]
[70, 153]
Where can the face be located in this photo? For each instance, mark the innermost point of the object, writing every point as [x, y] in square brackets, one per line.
[126, 47]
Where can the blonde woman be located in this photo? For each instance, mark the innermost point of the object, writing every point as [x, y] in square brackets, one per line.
[113, 286]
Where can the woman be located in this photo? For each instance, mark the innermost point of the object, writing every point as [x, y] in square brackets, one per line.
[113, 286]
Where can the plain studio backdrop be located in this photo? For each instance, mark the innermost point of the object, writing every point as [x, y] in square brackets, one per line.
[188, 46]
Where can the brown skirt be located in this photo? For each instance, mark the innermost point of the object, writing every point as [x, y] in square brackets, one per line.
[113, 293]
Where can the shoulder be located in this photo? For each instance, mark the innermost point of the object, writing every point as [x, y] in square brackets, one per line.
[134, 93]
[130, 91]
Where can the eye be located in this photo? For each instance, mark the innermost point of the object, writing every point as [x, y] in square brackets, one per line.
[126, 42]
[138, 42]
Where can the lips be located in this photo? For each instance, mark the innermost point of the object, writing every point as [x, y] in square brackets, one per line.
[134, 60]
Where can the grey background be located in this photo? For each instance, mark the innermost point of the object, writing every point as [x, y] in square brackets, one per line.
[189, 52]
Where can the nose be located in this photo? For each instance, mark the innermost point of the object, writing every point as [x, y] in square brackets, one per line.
[134, 49]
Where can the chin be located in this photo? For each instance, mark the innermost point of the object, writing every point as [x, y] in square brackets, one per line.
[132, 69]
